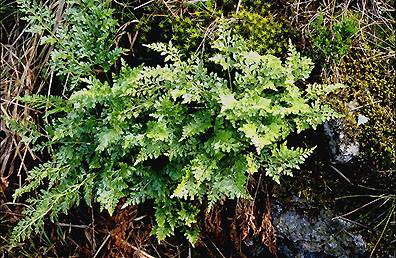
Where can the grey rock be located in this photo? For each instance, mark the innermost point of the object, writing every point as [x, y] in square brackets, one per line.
[342, 147]
[303, 235]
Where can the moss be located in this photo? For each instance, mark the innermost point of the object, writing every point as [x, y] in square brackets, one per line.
[190, 29]
[263, 32]
[370, 93]
[186, 30]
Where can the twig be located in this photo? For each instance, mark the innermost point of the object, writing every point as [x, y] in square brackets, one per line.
[355, 222]
[17, 104]
[134, 247]
[93, 226]
[155, 249]
[237, 9]
[384, 229]
[207, 32]
[217, 248]
[72, 225]
[101, 246]
[144, 4]
[15, 203]
[362, 106]
[369, 188]
[363, 206]
[341, 174]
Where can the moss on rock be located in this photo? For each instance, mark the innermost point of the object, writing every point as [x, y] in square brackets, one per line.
[369, 104]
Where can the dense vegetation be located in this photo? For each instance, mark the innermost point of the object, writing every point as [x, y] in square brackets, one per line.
[162, 119]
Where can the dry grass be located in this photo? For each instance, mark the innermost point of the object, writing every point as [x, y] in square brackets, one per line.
[22, 61]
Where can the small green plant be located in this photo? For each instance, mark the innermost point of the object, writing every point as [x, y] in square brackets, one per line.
[179, 135]
[332, 41]
[82, 36]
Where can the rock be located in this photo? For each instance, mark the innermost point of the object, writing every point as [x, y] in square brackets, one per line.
[342, 147]
[306, 232]
[320, 236]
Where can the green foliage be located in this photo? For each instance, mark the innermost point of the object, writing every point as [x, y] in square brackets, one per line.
[53, 104]
[24, 128]
[82, 36]
[179, 135]
[333, 40]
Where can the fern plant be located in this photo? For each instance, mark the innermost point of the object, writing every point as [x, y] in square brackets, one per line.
[179, 135]
[82, 36]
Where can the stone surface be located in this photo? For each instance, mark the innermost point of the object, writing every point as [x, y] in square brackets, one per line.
[303, 235]
[342, 147]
